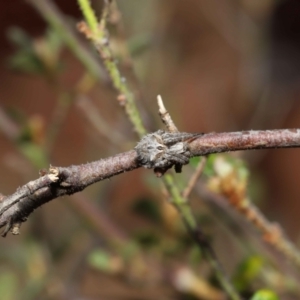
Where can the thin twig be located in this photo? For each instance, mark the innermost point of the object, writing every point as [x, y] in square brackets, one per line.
[272, 234]
[194, 178]
[126, 97]
[7, 126]
[91, 113]
[165, 116]
[199, 237]
[98, 220]
[62, 108]
[235, 193]
[54, 17]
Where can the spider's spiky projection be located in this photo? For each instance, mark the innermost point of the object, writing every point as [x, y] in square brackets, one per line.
[163, 149]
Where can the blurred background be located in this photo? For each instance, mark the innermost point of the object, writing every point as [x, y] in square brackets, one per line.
[219, 66]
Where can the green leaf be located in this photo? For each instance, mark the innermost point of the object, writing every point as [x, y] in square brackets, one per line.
[265, 294]
[34, 153]
[25, 62]
[25, 58]
[19, 37]
[247, 272]
[35, 56]
[99, 259]
[8, 285]
[54, 40]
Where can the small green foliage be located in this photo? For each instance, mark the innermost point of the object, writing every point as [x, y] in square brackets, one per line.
[19, 37]
[247, 272]
[99, 259]
[54, 41]
[265, 294]
[25, 58]
[34, 153]
[39, 56]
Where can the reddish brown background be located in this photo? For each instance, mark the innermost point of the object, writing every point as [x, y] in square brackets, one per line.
[219, 65]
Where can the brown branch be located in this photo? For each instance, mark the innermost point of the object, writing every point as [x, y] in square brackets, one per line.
[60, 181]
[245, 140]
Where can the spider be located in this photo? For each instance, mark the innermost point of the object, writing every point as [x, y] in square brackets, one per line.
[161, 150]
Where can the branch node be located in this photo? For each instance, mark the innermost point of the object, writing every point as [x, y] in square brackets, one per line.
[53, 174]
[83, 28]
[122, 99]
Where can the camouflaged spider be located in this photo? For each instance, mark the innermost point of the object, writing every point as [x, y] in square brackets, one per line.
[162, 149]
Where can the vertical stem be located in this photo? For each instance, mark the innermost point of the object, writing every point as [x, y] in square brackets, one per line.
[185, 211]
[53, 16]
[100, 40]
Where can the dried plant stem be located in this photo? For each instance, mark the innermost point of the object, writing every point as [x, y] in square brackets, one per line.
[91, 113]
[272, 233]
[63, 106]
[185, 211]
[193, 180]
[8, 127]
[54, 17]
[98, 220]
[165, 116]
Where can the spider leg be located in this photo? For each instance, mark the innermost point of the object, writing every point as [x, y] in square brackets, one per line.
[178, 158]
[178, 168]
[170, 138]
[163, 162]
